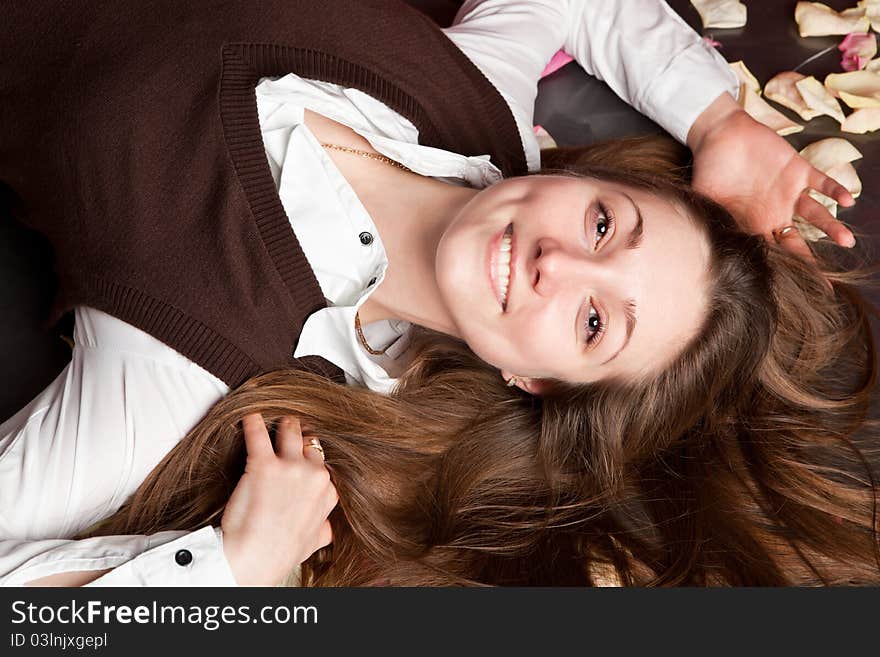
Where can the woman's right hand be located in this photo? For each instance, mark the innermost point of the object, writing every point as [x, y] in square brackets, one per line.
[277, 515]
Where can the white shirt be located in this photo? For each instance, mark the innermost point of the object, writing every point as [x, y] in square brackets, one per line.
[74, 454]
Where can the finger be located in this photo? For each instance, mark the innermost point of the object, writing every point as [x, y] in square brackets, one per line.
[312, 450]
[831, 188]
[817, 214]
[288, 438]
[256, 436]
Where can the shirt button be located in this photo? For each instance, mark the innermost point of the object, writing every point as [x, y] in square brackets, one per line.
[372, 282]
[366, 238]
[183, 557]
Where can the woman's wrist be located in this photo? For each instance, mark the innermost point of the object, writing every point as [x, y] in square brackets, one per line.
[715, 117]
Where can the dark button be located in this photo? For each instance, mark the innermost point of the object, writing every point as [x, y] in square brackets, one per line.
[372, 281]
[183, 557]
[366, 238]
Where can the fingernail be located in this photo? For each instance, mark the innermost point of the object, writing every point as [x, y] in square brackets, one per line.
[850, 241]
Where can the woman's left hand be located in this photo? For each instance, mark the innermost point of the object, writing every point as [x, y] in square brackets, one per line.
[760, 178]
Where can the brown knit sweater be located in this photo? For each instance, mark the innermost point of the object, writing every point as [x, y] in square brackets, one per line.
[129, 134]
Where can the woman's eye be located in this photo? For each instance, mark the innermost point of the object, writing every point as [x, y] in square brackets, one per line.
[604, 222]
[594, 326]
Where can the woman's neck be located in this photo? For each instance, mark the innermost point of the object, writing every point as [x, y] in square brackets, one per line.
[411, 213]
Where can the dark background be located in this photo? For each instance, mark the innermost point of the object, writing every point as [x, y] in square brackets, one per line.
[572, 106]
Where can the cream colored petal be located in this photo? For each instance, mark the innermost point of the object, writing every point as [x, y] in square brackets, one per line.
[858, 102]
[828, 202]
[872, 12]
[846, 175]
[544, 138]
[818, 98]
[745, 76]
[721, 13]
[857, 89]
[862, 121]
[826, 154]
[816, 19]
[781, 89]
[762, 112]
[873, 66]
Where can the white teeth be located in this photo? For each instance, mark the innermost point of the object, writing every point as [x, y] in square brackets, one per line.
[503, 267]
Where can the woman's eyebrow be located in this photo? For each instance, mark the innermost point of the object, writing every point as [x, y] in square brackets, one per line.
[629, 313]
[634, 239]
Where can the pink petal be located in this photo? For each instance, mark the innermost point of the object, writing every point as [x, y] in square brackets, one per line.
[855, 41]
[850, 62]
[857, 49]
[558, 60]
[712, 42]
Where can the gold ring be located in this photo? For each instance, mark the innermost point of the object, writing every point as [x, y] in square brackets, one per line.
[314, 444]
[781, 233]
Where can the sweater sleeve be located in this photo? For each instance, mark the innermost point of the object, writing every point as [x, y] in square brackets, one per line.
[641, 48]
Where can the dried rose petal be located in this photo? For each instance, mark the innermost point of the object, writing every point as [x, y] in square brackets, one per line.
[852, 62]
[781, 89]
[818, 98]
[762, 112]
[544, 138]
[745, 76]
[721, 13]
[816, 19]
[862, 121]
[828, 153]
[857, 49]
[846, 175]
[857, 89]
[872, 12]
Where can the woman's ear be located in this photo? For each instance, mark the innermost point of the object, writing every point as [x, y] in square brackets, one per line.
[531, 386]
[535, 387]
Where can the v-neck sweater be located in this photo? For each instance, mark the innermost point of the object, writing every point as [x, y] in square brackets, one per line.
[144, 164]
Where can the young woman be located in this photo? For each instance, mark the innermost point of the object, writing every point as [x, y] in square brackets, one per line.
[578, 323]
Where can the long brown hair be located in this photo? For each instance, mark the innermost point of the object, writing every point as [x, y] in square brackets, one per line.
[747, 461]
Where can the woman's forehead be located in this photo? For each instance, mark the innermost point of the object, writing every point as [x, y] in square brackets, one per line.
[669, 277]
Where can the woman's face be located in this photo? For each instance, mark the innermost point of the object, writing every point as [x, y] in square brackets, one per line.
[604, 279]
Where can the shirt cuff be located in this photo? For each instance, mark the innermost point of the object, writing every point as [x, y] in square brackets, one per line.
[692, 81]
[194, 559]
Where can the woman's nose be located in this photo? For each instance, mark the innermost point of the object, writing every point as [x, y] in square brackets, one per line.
[557, 265]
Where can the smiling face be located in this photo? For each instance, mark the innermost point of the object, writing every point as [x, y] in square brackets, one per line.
[605, 280]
